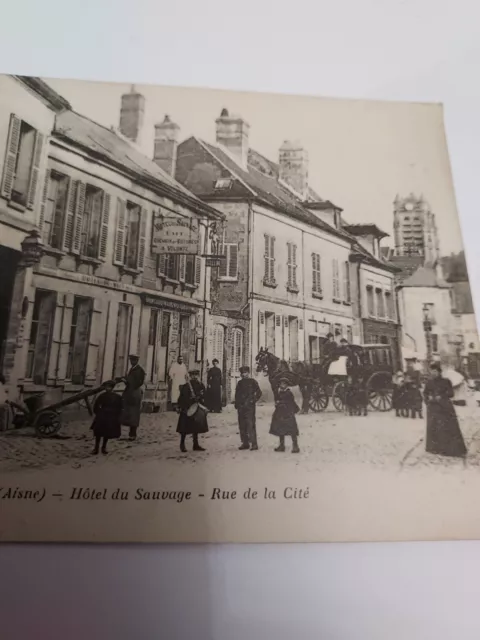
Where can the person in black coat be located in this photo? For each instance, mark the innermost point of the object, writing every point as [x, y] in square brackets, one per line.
[284, 422]
[192, 393]
[107, 423]
[214, 388]
[444, 437]
[132, 396]
[414, 400]
[247, 394]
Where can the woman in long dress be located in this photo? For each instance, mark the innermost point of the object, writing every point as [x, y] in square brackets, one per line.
[214, 388]
[444, 437]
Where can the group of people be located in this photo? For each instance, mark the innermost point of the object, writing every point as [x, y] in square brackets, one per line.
[407, 398]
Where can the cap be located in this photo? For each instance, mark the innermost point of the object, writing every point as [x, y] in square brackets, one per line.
[244, 369]
[194, 372]
[214, 361]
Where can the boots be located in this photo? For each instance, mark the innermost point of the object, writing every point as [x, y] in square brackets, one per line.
[281, 446]
[295, 447]
[196, 446]
[183, 448]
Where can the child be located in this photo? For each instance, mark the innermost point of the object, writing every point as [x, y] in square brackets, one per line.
[414, 400]
[107, 423]
[350, 397]
[398, 395]
[283, 419]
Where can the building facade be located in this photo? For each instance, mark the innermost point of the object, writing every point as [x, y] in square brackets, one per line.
[99, 292]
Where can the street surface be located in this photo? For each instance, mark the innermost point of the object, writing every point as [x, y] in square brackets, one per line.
[326, 439]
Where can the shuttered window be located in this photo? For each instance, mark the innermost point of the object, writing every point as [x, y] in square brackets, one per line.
[130, 235]
[92, 222]
[316, 274]
[336, 279]
[346, 282]
[40, 335]
[291, 265]
[79, 339]
[54, 209]
[228, 269]
[22, 163]
[237, 349]
[269, 256]
[389, 305]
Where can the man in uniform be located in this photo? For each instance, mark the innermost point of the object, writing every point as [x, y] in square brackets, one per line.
[247, 395]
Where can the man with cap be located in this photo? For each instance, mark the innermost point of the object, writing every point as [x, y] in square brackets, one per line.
[191, 393]
[247, 395]
[132, 396]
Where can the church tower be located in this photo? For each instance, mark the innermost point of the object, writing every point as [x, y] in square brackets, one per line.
[415, 229]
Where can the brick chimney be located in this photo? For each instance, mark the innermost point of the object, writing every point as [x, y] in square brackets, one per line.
[232, 133]
[293, 161]
[132, 112]
[166, 143]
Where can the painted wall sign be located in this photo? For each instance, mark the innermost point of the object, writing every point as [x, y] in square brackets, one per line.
[174, 234]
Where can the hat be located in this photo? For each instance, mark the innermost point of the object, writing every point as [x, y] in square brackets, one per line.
[133, 355]
[244, 369]
[109, 383]
[436, 366]
[330, 335]
[194, 372]
[286, 380]
[214, 361]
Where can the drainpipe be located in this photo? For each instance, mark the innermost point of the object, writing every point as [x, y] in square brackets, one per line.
[204, 329]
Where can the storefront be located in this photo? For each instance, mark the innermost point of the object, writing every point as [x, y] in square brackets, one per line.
[378, 332]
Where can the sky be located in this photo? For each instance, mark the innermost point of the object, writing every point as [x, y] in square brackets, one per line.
[361, 153]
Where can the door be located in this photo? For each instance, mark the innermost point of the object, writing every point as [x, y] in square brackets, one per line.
[293, 338]
[122, 340]
[162, 357]
[236, 359]
[185, 339]
[152, 345]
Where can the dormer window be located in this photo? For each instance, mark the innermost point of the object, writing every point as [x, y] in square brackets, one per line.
[223, 183]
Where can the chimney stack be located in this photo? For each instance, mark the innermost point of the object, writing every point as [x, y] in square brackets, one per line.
[293, 161]
[132, 112]
[232, 133]
[166, 143]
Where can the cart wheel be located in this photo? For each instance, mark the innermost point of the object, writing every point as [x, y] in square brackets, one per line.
[318, 399]
[380, 392]
[338, 395]
[47, 423]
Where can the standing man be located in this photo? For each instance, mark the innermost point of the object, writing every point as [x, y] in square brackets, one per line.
[192, 393]
[214, 388]
[247, 394]
[178, 375]
[132, 396]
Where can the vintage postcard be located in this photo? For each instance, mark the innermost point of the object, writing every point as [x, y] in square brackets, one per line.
[231, 317]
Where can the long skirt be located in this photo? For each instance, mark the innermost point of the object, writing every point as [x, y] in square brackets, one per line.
[444, 437]
[213, 398]
[283, 423]
[132, 406]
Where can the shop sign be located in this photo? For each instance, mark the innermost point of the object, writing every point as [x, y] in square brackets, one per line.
[175, 235]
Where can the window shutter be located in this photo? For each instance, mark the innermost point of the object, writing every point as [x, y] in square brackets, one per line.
[285, 321]
[43, 204]
[272, 258]
[69, 217]
[198, 270]
[233, 261]
[289, 264]
[161, 264]
[13, 141]
[34, 172]
[294, 265]
[182, 268]
[278, 321]
[78, 217]
[261, 315]
[261, 329]
[142, 241]
[300, 324]
[102, 247]
[119, 253]
[267, 254]
[223, 269]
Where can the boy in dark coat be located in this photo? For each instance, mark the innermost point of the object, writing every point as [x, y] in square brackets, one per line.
[191, 393]
[247, 394]
[283, 419]
[414, 400]
[107, 423]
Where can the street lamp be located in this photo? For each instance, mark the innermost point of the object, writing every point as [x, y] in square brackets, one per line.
[32, 249]
[427, 329]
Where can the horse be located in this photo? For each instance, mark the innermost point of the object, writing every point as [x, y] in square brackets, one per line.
[299, 374]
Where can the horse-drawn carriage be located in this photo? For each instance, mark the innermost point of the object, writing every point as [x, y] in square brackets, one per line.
[371, 364]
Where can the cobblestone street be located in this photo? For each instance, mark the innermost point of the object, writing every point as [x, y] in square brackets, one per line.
[326, 439]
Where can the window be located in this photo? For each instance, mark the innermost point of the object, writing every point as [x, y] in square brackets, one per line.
[92, 221]
[292, 266]
[336, 279]
[269, 256]
[55, 209]
[237, 349]
[22, 163]
[40, 335]
[79, 339]
[380, 303]
[122, 340]
[218, 344]
[223, 183]
[171, 266]
[190, 269]
[346, 282]
[316, 275]
[389, 305]
[370, 301]
[130, 236]
[229, 267]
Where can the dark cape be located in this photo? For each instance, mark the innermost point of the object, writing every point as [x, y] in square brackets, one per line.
[195, 424]
[444, 437]
[283, 419]
[108, 413]
[213, 397]
[132, 397]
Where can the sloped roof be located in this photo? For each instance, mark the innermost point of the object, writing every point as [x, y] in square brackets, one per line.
[107, 145]
[406, 264]
[268, 189]
[41, 88]
[462, 297]
[425, 277]
[367, 228]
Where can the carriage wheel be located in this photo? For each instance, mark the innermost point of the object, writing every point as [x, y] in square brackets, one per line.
[380, 392]
[318, 399]
[338, 395]
[47, 423]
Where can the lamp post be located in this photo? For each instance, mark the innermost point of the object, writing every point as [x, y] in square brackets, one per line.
[427, 329]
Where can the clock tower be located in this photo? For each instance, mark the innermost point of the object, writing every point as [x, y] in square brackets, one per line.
[415, 229]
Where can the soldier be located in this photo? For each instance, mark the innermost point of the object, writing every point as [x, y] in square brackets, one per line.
[247, 395]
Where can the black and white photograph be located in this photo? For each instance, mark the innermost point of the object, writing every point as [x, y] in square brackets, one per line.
[231, 317]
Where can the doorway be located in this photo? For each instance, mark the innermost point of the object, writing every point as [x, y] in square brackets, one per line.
[8, 266]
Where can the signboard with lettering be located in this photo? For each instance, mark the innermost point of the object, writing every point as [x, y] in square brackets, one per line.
[175, 235]
[170, 305]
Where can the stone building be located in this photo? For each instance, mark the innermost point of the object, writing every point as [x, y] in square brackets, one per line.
[99, 292]
[415, 229]
[285, 282]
